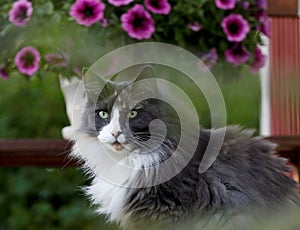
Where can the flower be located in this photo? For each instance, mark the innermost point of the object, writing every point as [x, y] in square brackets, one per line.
[259, 61]
[208, 60]
[235, 27]
[57, 60]
[138, 23]
[237, 55]
[104, 22]
[119, 2]
[3, 73]
[225, 4]
[87, 12]
[20, 13]
[195, 26]
[244, 5]
[158, 6]
[265, 26]
[27, 60]
[262, 4]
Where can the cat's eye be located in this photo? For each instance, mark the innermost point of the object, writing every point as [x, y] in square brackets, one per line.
[132, 114]
[103, 114]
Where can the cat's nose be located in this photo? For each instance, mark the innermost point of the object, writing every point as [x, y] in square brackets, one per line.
[116, 134]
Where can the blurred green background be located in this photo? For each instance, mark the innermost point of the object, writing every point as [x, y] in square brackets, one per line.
[42, 198]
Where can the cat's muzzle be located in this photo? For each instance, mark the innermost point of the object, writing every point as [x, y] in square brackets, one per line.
[117, 146]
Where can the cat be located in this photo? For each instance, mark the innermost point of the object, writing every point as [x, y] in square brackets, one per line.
[115, 143]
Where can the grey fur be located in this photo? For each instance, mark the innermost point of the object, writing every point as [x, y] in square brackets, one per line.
[245, 180]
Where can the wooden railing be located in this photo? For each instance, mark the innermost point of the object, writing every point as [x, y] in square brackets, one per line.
[283, 7]
[54, 152]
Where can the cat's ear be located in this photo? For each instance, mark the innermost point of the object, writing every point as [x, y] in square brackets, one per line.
[147, 76]
[95, 85]
[146, 72]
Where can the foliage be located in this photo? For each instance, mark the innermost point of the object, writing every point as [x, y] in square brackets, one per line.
[197, 25]
[32, 107]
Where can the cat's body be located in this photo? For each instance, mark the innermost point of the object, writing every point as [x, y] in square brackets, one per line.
[245, 177]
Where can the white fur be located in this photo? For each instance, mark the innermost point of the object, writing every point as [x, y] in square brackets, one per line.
[113, 170]
[106, 134]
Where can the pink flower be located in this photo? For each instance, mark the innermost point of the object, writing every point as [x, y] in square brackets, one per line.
[195, 26]
[265, 26]
[259, 60]
[27, 60]
[237, 55]
[119, 2]
[158, 6]
[57, 60]
[208, 60]
[235, 27]
[3, 73]
[225, 4]
[20, 13]
[104, 22]
[262, 4]
[138, 23]
[87, 12]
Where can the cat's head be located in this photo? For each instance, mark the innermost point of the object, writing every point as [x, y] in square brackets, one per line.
[125, 115]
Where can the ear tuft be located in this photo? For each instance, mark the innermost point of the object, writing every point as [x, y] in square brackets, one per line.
[93, 83]
[145, 73]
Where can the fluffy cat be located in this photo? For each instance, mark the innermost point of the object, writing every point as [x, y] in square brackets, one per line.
[115, 144]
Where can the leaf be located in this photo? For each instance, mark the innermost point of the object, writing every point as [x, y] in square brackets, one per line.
[45, 9]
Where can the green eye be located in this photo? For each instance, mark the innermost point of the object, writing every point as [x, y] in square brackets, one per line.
[132, 114]
[103, 114]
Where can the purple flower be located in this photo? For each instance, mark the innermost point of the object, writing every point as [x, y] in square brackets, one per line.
[262, 4]
[57, 60]
[119, 2]
[265, 26]
[195, 26]
[27, 60]
[3, 73]
[244, 5]
[225, 4]
[87, 12]
[138, 23]
[208, 60]
[158, 6]
[104, 22]
[237, 55]
[20, 13]
[235, 27]
[259, 60]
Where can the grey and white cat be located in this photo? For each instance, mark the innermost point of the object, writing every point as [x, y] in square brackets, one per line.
[113, 142]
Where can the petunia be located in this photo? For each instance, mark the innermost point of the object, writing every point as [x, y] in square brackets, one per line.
[57, 60]
[195, 26]
[3, 73]
[104, 22]
[244, 5]
[237, 55]
[20, 12]
[262, 4]
[158, 6]
[208, 60]
[235, 27]
[27, 60]
[138, 23]
[265, 26]
[119, 2]
[259, 61]
[225, 4]
[87, 12]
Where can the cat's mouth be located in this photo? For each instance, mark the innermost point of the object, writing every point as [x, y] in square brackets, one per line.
[117, 146]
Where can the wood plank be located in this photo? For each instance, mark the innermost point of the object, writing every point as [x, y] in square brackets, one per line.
[54, 152]
[35, 152]
[283, 7]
